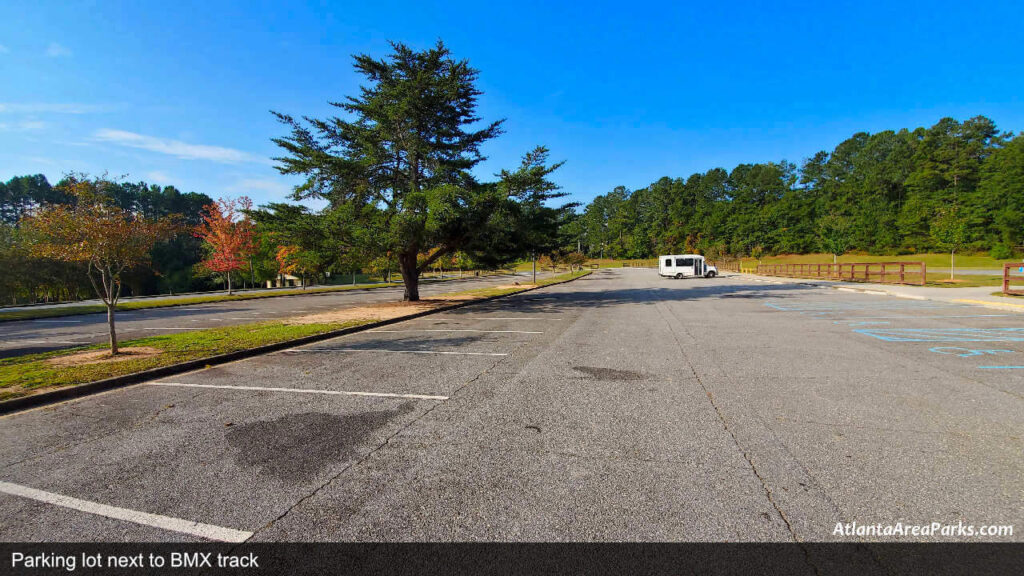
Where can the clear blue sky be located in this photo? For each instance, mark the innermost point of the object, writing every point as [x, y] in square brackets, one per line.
[625, 92]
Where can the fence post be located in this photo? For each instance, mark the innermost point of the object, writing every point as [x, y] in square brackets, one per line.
[924, 273]
[1006, 278]
[883, 273]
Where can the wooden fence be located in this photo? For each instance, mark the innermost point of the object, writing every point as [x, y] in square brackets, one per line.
[1011, 271]
[883, 272]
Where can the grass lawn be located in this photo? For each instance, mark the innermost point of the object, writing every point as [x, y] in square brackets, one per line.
[33, 372]
[24, 374]
[941, 280]
[30, 313]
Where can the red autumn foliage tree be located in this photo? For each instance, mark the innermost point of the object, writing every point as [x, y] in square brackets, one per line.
[94, 231]
[229, 236]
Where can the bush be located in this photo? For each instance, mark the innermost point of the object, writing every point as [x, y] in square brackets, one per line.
[1001, 252]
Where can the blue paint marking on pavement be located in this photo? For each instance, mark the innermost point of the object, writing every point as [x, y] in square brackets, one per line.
[929, 317]
[1001, 367]
[965, 352]
[945, 334]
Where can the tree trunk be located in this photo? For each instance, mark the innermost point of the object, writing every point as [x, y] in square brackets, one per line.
[229, 283]
[411, 277]
[110, 325]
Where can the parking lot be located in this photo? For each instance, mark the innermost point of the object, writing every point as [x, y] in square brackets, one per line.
[621, 406]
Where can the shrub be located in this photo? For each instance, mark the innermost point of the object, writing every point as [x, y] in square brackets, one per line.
[1001, 252]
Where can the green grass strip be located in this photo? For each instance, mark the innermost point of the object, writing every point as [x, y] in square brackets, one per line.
[22, 375]
[28, 313]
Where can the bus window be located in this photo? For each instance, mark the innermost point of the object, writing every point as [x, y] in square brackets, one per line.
[684, 262]
[668, 262]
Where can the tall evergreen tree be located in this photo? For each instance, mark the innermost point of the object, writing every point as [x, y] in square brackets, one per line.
[401, 158]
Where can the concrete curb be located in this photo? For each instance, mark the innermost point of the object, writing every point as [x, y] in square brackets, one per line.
[90, 388]
[990, 304]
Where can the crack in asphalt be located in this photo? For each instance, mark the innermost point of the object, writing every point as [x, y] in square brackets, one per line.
[725, 424]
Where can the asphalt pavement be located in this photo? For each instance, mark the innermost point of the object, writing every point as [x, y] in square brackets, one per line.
[45, 334]
[618, 407]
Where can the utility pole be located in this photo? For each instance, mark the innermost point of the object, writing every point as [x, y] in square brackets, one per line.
[534, 267]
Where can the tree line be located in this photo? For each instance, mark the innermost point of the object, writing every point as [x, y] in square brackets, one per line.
[33, 278]
[955, 185]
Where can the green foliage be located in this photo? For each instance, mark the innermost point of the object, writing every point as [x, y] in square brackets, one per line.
[397, 166]
[949, 229]
[31, 279]
[1001, 252]
[834, 234]
[875, 193]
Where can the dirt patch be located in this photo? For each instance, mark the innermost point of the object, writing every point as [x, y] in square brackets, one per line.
[375, 312]
[102, 356]
[389, 310]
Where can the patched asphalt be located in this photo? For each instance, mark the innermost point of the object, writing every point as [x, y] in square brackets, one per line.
[621, 406]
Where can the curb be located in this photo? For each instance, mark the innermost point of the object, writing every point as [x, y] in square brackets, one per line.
[90, 388]
[990, 304]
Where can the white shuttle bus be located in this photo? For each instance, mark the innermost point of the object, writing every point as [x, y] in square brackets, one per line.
[685, 266]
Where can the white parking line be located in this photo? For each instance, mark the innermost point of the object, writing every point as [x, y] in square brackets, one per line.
[207, 531]
[463, 330]
[395, 351]
[301, 390]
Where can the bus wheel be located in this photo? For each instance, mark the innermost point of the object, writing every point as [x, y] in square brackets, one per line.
[679, 276]
[711, 274]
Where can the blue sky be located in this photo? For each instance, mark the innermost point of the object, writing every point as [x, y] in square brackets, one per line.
[179, 92]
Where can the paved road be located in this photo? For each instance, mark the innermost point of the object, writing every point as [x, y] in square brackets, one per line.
[617, 407]
[31, 336]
